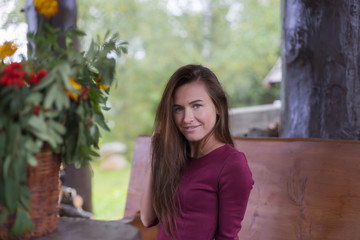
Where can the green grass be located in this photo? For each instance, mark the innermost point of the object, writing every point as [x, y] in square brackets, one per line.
[109, 190]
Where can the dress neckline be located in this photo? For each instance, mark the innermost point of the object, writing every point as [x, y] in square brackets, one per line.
[210, 153]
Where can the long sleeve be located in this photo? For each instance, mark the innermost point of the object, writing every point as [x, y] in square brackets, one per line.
[235, 183]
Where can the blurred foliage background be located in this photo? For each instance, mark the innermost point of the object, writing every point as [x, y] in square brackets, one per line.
[238, 39]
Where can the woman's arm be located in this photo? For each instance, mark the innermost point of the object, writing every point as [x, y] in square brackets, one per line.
[235, 184]
[147, 213]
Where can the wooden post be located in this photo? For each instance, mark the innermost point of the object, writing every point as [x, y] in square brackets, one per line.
[320, 56]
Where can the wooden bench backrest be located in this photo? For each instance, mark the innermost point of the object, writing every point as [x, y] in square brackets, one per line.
[304, 188]
[140, 162]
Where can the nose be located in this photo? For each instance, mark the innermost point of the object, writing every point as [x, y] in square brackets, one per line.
[189, 116]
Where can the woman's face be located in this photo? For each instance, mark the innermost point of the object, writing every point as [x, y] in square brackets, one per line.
[194, 111]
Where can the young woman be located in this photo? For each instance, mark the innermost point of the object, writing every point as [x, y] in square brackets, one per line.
[198, 183]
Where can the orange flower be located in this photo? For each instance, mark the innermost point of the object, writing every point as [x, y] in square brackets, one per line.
[100, 85]
[7, 50]
[76, 86]
[48, 8]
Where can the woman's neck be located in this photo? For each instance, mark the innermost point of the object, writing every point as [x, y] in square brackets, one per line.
[208, 147]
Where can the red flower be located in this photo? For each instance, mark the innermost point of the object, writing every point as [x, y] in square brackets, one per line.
[33, 78]
[88, 123]
[84, 90]
[42, 74]
[36, 109]
[36, 78]
[13, 74]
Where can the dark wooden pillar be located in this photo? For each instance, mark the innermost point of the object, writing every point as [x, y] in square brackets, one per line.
[320, 56]
[80, 179]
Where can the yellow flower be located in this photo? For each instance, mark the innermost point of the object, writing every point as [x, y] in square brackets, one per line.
[100, 85]
[76, 86]
[7, 49]
[48, 8]
[73, 83]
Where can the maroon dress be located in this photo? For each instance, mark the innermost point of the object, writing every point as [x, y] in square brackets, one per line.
[214, 191]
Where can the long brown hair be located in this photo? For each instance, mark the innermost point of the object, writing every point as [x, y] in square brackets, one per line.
[170, 148]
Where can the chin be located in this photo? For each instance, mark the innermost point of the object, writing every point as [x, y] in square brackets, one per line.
[194, 139]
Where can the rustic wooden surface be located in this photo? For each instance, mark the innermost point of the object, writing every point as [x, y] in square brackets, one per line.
[304, 188]
[85, 229]
[141, 158]
[136, 183]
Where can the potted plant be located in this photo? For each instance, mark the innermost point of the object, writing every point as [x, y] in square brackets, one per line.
[54, 98]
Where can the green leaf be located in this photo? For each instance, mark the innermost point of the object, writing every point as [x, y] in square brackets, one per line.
[106, 108]
[94, 130]
[50, 97]
[61, 99]
[46, 81]
[34, 98]
[25, 202]
[64, 72]
[25, 191]
[99, 119]
[19, 168]
[91, 53]
[33, 146]
[2, 143]
[7, 163]
[75, 32]
[11, 196]
[38, 127]
[37, 123]
[56, 138]
[14, 132]
[52, 113]
[31, 160]
[2, 190]
[4, 215]
[58, 127]
[93, 153]
[80, 111]
[23, 222]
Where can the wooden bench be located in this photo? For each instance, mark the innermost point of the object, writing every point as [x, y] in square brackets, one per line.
[304, 188]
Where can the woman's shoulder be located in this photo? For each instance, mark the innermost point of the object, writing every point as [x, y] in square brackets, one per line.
[232, 154]
[233, 158]
[235, 167]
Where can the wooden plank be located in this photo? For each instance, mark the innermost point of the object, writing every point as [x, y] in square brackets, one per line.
[304, 189]
[141, 158]
[87, 229]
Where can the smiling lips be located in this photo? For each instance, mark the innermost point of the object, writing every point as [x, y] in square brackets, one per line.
[190, 128]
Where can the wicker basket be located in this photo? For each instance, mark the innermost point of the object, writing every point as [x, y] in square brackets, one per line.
[44, 184]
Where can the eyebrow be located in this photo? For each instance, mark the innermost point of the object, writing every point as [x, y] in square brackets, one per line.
[195, 101]
[192, 102]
